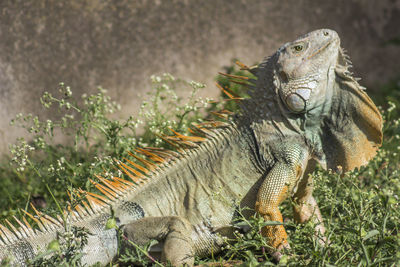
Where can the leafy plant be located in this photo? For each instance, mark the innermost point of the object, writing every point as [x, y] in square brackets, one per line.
[66, 250]
[360, 208]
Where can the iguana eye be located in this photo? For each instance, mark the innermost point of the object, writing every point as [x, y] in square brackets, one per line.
[297, 48]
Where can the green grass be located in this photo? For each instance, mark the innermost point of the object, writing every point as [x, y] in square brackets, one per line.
[360, 209]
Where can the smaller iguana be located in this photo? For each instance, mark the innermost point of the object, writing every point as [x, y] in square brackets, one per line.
[304, 107]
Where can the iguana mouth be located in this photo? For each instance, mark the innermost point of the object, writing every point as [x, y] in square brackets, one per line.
[322, 48]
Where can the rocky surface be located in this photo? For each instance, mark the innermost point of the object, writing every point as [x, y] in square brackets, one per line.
[119, 44]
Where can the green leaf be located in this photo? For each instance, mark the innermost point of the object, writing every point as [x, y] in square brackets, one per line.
[111, 223]
[54, 245]
[370, 234]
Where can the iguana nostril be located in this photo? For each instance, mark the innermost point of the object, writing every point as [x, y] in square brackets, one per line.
[295, 103]
[326, 33]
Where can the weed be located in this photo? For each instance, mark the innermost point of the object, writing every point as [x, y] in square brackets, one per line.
[360, 208]
[65, 250]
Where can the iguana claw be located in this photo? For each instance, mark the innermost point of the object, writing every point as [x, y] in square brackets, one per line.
[278, 253]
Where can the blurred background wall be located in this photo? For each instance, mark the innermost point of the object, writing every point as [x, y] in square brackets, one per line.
[119, 44]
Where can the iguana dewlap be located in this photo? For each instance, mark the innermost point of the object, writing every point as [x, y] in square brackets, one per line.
[304, 107]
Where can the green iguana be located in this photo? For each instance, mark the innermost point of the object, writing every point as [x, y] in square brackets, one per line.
[304, 107]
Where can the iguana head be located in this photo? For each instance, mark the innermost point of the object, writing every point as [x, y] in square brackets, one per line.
[302, 69]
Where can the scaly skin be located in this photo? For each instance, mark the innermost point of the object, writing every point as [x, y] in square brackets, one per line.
[304, 108]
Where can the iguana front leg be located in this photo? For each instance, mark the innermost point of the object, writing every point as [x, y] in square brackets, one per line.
[273, 191]
[174, 231]
[306, 207]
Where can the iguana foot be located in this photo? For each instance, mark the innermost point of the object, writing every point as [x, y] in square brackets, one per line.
[305, 207]
[277, 253]
[308, 209]
[319, 233]
[173, 231]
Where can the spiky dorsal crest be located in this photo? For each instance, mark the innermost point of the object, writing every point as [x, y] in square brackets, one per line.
[144, 164]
